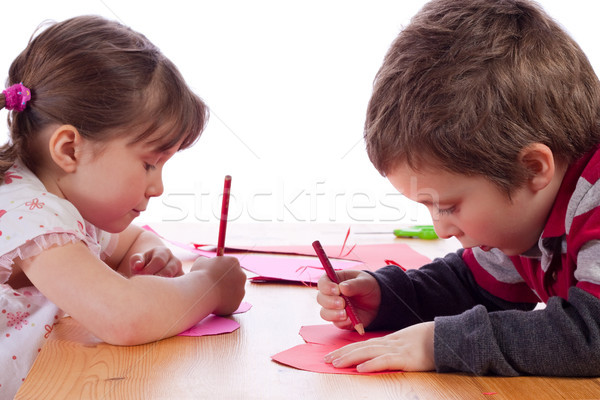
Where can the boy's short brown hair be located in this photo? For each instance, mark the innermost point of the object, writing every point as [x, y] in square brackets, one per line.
[469, 83]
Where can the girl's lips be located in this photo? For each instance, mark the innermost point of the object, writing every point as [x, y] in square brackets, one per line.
[485, 248]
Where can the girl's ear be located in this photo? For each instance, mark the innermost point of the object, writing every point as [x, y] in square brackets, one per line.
[538, 160]
[64, 145]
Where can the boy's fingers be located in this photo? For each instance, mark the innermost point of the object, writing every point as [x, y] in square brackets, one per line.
[333, 315]
[354, 287]
[330, 302]
[324, 285]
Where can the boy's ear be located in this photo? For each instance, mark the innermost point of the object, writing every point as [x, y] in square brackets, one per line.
[538, 160]
[64, 145]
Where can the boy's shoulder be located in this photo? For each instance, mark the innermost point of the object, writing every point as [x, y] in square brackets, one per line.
[582, 176]
[580, 190]
[591, 169]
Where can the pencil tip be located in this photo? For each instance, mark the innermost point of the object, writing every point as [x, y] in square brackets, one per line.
[360, 329]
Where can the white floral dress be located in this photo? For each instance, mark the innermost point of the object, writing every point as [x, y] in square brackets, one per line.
[31, 220]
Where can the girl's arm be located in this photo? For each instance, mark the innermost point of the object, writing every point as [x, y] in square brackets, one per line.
[142, 252]
[140, 309]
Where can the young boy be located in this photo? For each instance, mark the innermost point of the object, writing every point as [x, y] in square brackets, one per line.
[488, 113]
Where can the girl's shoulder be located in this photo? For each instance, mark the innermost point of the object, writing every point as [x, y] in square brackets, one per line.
[26, 207]
[32, 219]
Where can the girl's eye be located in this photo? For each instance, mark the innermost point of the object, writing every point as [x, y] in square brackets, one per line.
[446, 211]
[149, 167]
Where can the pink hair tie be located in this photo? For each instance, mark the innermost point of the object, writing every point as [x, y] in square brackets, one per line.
[16, 97]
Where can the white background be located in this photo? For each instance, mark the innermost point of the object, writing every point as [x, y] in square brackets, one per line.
[287, 83]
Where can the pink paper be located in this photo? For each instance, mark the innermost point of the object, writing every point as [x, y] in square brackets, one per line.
[185, 246]
[275, 267]
[211, 325]
[309, 357]
[244, 306]
[322, 340]
[330, 334]
[299, 269]
[374, 256]
[215, 325]
[270, 267]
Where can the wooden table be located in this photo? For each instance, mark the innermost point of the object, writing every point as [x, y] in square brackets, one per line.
[75, 365]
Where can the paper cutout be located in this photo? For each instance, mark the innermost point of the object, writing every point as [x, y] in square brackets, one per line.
[344, 246]
[330, 334]
[271, 267]
[215, 325]
[189, 247]
[371, 257]
[299, 269]
[211, 325]
[322, 340]
[244, 306]
[374, 256]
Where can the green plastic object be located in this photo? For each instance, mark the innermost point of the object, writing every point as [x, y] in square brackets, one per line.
[418, 231]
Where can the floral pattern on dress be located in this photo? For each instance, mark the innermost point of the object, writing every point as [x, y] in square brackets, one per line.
[9, 176]
[35, 203]
[17, 319]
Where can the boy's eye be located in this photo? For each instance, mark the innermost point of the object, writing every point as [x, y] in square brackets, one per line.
[148, 166]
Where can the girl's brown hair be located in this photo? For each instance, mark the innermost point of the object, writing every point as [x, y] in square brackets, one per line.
[104, 79]
[470, 83]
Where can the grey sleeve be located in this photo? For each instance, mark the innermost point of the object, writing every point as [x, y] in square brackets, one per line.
[443, 287]
[561, 340]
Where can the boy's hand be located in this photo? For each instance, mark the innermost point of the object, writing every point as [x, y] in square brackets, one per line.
[157, 261]
[362, 290]
[228, 287]
[410, 349]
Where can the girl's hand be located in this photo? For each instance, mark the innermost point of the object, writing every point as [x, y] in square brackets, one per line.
[158, 261]
[410, 349]
[362, 290]
[228, 287]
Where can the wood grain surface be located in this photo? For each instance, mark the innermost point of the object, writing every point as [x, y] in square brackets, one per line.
[75, 365]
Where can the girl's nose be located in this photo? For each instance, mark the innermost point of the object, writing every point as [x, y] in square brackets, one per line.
[155, 187]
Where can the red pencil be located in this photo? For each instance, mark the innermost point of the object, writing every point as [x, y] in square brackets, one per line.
[224, 212]
[334, 278]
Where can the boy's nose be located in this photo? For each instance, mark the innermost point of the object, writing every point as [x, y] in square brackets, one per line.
[445, 230]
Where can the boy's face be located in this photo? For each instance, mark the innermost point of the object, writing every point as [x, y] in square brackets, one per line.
[474, 210]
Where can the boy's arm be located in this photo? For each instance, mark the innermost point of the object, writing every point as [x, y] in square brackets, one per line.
[561, 340]
[483, 334]
[443, 287]
[478, 333]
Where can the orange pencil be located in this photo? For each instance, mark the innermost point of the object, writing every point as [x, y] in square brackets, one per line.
[334, 278]
[224, 212]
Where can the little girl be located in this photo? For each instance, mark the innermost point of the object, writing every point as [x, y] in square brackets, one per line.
[96, 112]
